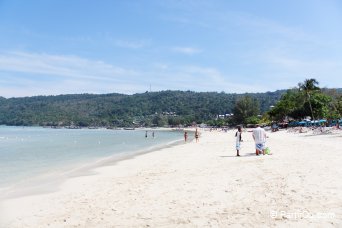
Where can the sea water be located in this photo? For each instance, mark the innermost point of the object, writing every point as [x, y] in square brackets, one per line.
[28, 154]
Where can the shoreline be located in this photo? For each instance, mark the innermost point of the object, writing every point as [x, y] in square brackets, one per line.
[50, 182]
[199, 184]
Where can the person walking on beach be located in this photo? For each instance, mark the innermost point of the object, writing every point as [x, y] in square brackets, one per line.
[238, 140]
[197, 135]
[259, 136]
[146, 134]
[185, 136]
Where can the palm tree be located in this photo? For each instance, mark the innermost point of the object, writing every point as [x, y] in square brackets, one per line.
[308, 87]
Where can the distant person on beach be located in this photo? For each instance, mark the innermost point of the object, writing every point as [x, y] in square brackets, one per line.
[153, 134]
[238, 140]
[259, 136]
[197, 135]
[146, 134]
[274, 127]
[185, 136]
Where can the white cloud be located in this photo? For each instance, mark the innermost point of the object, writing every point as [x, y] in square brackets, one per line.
[283, 68]
[198, 78]
[23, 73]
[186, 50]
[61, 66]
[28, 74]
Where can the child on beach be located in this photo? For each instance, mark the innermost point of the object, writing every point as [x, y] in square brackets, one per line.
[238, 140]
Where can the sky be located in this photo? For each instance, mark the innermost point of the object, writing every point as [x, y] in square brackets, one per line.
[51, 47]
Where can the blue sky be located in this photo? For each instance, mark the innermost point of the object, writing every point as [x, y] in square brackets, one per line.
[80, 46]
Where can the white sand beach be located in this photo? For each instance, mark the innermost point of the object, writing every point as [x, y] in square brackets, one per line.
[200, 185]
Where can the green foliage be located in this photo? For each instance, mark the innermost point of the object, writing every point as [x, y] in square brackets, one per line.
[245, 110]
[252, 120]
[171, 108]
[339, 106]
[217, 122]
[335, 105]
[309, 87]
[290, 104]
[146, 109]
[308, 100]
[320, 105]
[160, 121]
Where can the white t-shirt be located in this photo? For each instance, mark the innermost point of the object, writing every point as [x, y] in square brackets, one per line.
[259, 135]
[238, 137]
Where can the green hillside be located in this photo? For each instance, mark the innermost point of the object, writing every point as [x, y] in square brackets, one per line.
[117, 110]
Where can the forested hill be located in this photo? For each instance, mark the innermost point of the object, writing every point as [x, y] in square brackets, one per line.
[145, 109]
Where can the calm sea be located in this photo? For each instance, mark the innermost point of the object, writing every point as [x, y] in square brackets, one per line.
[28, 154]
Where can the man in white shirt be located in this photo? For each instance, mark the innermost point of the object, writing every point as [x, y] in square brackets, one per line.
[259, 136]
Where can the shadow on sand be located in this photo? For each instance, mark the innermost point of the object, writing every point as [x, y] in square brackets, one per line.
[241, 155]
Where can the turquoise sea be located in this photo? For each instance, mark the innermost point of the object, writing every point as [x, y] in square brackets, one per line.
[35, 158]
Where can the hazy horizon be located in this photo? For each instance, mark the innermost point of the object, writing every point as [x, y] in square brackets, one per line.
[66, 94]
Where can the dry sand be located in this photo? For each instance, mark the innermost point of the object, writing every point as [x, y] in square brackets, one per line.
[200, 185]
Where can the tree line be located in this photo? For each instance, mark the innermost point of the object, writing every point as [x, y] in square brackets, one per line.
[171, 108]
[120, 110]
[307, 99]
